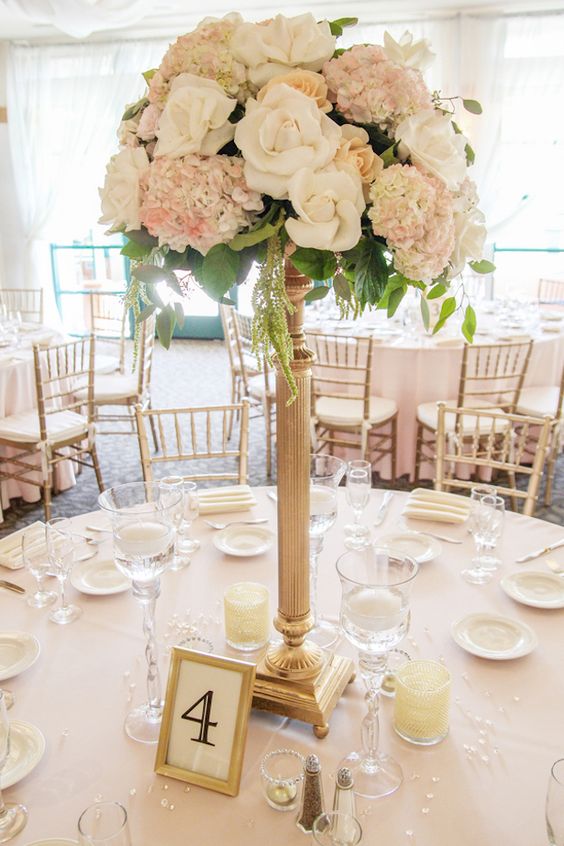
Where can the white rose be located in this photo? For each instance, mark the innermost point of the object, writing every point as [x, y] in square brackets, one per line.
[282, 134]
[195, 118]
[406, 51]
[269, 49]
[121, 194]
[127, 130]
[429, 140]
[469, 239]
[329, 205]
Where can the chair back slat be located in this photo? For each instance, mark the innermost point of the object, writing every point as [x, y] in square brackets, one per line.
[108, 321]
[551, 291]
[59, 372]
[341, 361]
[28, 301]
[493, 374]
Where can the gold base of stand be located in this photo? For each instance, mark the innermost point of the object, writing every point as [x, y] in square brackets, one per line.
[310, 700]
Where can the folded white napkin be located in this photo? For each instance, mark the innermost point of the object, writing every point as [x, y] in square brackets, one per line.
[515, 338]
[439, 497]
[440, 506]
[11, 546]
[433, 514]
[227, 498]
[552, 328]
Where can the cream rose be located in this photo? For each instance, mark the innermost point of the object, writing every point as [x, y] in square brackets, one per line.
[429, 140]
[406, 51]
[127, 131]
[195, 118]
[355, 152]
[282, 134]
[271, 48]
[309, 83]
[469, 239]
[121, 194]
[329, 205]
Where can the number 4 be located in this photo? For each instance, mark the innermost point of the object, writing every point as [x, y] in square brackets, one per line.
[203, 721]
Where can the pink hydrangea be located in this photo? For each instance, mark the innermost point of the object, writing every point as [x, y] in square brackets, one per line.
[203, 52]
[414, 212]
[368, 88]
[198, 201]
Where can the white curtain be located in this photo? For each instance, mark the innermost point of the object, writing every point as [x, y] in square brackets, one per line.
[81, 18]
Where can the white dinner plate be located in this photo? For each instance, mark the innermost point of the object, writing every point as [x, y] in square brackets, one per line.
[99, 577]
[241, 540]
[495, 637]
[18, 651]
[532, 587]
[419, 547]
[27, 746]
[54, 841]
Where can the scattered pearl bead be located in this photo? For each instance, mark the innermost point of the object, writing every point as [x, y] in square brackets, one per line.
[409, 833]
[495, 750]
[487, 693]
[483, 732]
[465, 676]
[516, 698]
[429, 796]
[132, 791]
[489, 724]
[171, 807]
[485, 759]
[98, 797]
[127, 674]
[150, 789]
[414, 776]
[65, 732]
[250, 823]
[165, 787]
[435, 779]
[187, 789]
[425, 810]
[478, 719]
[164, 803]
[481, 741]
[501, 709]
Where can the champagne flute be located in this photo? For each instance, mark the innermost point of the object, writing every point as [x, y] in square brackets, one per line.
[476, 493]
[13, 817]
[359, 482]
[36, 560]
[60, 549]
[188, 544]
[175, 485]
[555, 804]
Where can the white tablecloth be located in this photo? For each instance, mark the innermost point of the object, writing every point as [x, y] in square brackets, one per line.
[79, 689]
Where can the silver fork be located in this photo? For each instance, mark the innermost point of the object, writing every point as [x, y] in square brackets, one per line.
[215, 525]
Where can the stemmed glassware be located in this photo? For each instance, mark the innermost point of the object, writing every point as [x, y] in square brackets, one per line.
[555, 804]
[143, 516]
[476, 494]
[188, 544]
[175, 486]
[326, 471]
[13, 817]
[359, 483]
[36, 560]
[376, 585]
[60, 550]
[487, 524]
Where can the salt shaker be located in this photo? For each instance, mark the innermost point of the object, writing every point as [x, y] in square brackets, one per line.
[343, 799]
[312, 795]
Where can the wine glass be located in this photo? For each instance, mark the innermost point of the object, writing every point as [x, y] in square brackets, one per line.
[104, 824]
[359, 482]
[188, 544]
[36, 560]
[476, 493]
[143, 529]
[555, 804]
[375, 584]
[326, 471]
[60, 550]
[175, 486]
[13, 817]
[487, 524]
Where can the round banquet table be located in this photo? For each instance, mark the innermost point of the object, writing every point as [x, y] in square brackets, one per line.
[89, 673]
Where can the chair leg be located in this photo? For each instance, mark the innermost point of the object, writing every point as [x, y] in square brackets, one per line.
[551, 468]
[394, 446]
[233, 395]
[153, 428]
[96, 465]
[513, 483]
[418, 453]
[47, 487]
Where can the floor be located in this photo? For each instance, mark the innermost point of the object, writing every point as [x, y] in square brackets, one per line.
[191, 372]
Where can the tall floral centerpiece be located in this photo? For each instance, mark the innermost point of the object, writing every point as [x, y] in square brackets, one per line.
[266, 144]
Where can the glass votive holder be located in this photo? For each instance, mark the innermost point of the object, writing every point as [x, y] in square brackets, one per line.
[422, 702]
[281, 773]
[104, 824]
[396, 659]
[247, 616]
[336, 828]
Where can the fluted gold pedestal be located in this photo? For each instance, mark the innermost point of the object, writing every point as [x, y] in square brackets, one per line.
[296, 678]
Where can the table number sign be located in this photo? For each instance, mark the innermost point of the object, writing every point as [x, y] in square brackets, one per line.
[204, 725]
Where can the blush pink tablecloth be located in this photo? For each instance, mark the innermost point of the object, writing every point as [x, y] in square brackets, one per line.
[79, 689]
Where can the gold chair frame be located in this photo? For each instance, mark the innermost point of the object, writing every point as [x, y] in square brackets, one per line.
[58, 371]
[189, 444]
[502, 449]
[108, 317]
[550, 291]
[342, 369]
[28, 301]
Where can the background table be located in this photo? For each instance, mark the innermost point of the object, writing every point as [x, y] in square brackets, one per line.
[78, 693]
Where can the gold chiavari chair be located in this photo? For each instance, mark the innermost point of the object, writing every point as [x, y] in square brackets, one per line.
[342, 403]
[551, 291]
[108, 318]
[491, 376]
[28, 301]
[62, 426]
[493, 440]
[196, 434]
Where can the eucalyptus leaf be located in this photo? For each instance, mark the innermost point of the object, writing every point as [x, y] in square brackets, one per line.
[371, 270]
[166, 320]
[154, 296]
[394, 282]
[219, 271]
[317, 293]
[469, 324]
[448, 307]
[470, 155]
[317, 264]
[483, 266]
[425, 314]
[135, 108]
[149, 74]
[337, 26]
[472, 106]
[389, 156]
[249, 239]
[395, 298]
[437, 290]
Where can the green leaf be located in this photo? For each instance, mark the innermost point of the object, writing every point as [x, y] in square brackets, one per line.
[317, 293]
[336, 26]
[165, 325]
[394, 282]
[470, 155]
[219, 271]
[141, 236]
[371, 270]
[134, 251]
[342, 287]
[317, 264]
[180, 316]
[151, 275]
[389, 156]
[437, 291]
[147, 312]
[472, 106]
[425, 312]
[246, 259]
[149, 74]
[448, 307]
[483, 266]
[154, 296]
[395, 298]
[469, 324]
[135, 108]
[249, 239]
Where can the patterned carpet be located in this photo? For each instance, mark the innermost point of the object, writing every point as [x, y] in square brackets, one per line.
[191, 372]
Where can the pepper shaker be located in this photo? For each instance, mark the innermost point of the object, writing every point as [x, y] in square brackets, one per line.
[312, 795]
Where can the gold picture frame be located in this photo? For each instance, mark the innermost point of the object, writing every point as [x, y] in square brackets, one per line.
[214, 693]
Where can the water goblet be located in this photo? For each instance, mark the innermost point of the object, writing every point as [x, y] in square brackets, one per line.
[143, 530]
[13, 817]
[326, 471]
[188, 544]
[476, 493]
[359, 483]
[336, 828]
[104, 824]
[488, 516]
[555, 804]
[375, 590]
[175, 486]
[36, 560]
[60, 551]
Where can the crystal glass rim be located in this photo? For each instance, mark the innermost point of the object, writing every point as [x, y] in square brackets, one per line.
[329, 815]
[141, 507]
[392, 555]
[340, 471]
[492, 499]
[558, 778]
[286, 779]
[99, 805]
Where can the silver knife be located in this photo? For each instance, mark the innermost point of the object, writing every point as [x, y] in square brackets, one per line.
[382, 511]
[539, 552]
[11, 586]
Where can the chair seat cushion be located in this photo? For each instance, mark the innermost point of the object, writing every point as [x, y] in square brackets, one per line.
[24, 427]
[256, 384]
[428, 414]
[112, 386]
[334, 412]
[106, 363]
[537, 402]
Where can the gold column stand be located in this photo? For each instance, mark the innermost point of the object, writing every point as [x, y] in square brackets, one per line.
[296, 678]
